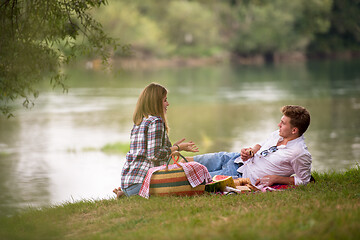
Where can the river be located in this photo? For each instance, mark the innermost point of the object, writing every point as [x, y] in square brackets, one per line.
[52, 154]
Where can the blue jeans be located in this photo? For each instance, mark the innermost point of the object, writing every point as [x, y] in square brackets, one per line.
[132, 190]
[221, 163]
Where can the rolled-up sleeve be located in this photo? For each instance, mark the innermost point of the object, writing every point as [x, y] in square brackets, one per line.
[157, 150]
[302, 168]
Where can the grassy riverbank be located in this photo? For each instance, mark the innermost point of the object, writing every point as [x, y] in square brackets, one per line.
[328, 209]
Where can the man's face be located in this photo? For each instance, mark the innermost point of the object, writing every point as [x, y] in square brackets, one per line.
[286, 129]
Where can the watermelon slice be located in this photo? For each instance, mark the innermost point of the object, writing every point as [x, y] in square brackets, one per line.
[219, 183]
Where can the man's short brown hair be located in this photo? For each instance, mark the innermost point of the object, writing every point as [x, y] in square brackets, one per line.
[299, 117]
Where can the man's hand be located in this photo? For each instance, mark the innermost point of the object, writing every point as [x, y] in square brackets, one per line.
[270, 180]
[266, 181]
[246, 153]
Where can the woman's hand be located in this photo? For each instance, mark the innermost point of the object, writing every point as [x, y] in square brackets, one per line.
[186, 146]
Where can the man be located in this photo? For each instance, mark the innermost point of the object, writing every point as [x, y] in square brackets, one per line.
[274, 161]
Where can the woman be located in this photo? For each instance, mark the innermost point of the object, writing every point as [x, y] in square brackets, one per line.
[149, 141]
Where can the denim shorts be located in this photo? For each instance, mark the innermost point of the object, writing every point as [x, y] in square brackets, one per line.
[132, 190]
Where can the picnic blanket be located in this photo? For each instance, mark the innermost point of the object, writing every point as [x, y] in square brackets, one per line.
[277, 187]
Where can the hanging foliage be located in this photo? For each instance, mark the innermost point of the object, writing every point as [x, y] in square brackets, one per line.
[38, 37]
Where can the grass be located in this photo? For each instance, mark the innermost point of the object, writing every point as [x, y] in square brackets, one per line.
[328, 209]
[111, 148]
[117, 147]
[4, 154]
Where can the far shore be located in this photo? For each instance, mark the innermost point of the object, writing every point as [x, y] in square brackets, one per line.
[149, 62]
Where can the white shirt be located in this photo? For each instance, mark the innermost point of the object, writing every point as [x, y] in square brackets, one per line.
[289, 159]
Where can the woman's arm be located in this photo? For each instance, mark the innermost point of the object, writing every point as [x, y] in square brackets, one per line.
[157, 150]
[186, 146]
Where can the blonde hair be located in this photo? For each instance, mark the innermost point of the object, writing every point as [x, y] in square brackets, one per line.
[150, 102]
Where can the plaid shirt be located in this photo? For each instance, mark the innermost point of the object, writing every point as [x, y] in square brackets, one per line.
[149, 147]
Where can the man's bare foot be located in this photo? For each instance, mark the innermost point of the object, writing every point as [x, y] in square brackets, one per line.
[119, 193]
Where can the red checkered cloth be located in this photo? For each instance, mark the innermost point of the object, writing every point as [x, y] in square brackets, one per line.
[196, 174]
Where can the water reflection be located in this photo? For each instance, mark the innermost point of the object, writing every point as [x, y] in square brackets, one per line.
[222, 108]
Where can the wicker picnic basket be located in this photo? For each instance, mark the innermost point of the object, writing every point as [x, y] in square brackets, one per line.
[173, 182]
